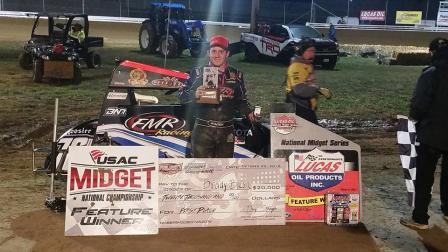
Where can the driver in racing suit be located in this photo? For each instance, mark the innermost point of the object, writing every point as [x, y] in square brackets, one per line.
[213, 132]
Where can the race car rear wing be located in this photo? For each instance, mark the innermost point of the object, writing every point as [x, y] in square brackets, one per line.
[129, 74]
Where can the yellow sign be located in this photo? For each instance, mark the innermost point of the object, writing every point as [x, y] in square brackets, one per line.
[305, 202]
[408, 17]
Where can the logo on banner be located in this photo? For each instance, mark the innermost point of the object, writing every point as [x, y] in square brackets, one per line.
[158, 124]
[373, 15]
[170, 168]
[99, 157]
[316, 170]
[284, 124]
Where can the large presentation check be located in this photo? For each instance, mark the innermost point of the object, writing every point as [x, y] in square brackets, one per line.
[221, 192]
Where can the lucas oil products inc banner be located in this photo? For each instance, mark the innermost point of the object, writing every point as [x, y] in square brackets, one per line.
[112, 190]
[320, 162]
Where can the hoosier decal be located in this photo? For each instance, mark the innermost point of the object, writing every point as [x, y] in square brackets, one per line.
[316, 170]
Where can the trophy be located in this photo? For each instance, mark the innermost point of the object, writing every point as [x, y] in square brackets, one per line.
[210, 86]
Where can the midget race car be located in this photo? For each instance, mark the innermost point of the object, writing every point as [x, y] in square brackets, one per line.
[128, 118]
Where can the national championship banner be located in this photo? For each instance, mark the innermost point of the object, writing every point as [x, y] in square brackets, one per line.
[408, 17]
[442, 15]
[320, 162]
[221, 192]
[372, 15]
[112, 190]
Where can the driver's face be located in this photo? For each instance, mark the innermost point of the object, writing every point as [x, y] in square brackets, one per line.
[218, 56]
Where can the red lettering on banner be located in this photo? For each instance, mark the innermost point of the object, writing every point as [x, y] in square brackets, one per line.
[317, 166]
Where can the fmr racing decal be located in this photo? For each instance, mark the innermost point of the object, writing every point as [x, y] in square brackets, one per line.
[284, 124]
[137, 77]
[158, 124]
[167, 82]
[316, 170]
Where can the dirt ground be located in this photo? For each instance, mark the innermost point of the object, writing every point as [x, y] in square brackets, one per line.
[24, 217]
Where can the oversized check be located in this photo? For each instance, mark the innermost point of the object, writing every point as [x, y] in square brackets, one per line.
[221, 192]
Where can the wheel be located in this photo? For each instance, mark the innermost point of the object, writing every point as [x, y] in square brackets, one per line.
[168, 47]
[76, 74]
[93, 60]
[146, 39]
[38, 70]
[26, 60]
[251, 53]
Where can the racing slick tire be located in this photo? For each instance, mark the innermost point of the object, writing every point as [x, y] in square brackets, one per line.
[251, 53]
[77, 77]
[168, 47]
[26, 60]
[93, 60]
[146, 39]
[38, 70]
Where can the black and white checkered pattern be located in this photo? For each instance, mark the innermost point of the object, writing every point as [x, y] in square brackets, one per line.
[406, 136]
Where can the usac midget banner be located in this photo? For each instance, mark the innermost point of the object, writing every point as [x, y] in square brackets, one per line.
[320, 162]
[112, 190]
[221, 192]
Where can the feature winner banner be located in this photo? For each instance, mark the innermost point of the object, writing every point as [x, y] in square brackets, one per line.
[221, 192]
[112, 190]
[320, 162]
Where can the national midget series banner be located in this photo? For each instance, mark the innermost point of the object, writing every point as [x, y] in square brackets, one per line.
[320, 162]
[112, 190]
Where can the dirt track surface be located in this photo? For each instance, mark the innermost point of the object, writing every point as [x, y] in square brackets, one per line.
[24, 217]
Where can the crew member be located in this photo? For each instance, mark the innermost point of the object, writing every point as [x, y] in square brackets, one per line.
[77, 33]
[429, 107]
[301, 87]
[213, 132]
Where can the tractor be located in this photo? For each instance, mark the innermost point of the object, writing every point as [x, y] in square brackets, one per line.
[155, 37]
[52, 53]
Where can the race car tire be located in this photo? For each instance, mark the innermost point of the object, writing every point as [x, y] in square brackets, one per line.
[26, 60]
[251, 53]
[147, 39]
[168, 47]
[77, 77]
[93, 60]
[38, 70]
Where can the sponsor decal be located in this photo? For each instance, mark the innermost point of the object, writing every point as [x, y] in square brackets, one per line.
[226, 92]
[114, 111]
[170, 168]
[99, 157]
[117, 96]
[81, 131]
[170, 82]
[373, 15]
[284, 124]
[158, 124]
[270, 46]
[138, 77]
[316, 170]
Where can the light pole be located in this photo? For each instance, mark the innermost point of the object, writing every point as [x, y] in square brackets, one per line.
[385, 13]
[348, 9]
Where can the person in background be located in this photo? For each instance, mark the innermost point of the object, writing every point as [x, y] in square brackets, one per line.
[213, 131]
[77, 33]
[332, 33]
[429, 109]
[301, 87]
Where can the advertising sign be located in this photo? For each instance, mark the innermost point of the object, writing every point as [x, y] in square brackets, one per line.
[221, 192]
[442, 15]
[342, 209]
[112, 190]
[408, 17]
[373, 15]
[320, 162]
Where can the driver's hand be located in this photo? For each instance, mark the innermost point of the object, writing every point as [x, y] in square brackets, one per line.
[200, 91]
[251, 117]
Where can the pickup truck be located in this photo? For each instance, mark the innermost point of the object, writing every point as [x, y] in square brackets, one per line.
[278, 42]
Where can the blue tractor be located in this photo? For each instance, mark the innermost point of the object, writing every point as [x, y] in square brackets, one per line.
[181, 35]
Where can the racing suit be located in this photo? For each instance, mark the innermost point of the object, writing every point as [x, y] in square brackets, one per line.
[213, 131]
[301, 89]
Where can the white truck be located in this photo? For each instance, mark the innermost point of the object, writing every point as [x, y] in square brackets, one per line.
[278, 42]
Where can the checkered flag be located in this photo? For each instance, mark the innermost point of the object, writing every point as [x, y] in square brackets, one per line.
[406, 136]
